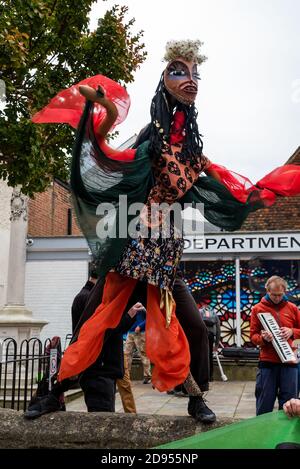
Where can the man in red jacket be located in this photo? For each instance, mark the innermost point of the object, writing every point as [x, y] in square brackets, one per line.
[275, 378]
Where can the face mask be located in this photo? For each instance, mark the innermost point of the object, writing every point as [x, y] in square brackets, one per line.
[181, 80]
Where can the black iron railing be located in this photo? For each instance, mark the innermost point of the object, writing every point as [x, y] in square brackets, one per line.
[21, 370]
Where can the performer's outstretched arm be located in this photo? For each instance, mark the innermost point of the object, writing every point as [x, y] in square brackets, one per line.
[212, 172]
[111, 110]
[101, 130]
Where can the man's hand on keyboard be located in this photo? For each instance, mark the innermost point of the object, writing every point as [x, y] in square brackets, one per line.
[286, 332]
[267, 336]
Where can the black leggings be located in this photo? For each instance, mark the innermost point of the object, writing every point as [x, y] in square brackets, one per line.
[195, 330]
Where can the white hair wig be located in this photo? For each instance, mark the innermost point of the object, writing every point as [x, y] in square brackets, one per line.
[186, 49]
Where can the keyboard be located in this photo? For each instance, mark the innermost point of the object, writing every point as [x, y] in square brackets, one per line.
[281, 345]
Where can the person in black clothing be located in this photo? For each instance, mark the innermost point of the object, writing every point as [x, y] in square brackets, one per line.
[98, 382]
[81, 298]
[188, 315]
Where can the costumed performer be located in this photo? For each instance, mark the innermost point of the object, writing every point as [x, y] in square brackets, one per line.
[165, 167]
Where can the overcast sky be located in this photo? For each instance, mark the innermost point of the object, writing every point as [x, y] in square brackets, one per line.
[249, 94]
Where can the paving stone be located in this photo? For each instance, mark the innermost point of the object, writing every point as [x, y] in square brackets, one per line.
[233, 399]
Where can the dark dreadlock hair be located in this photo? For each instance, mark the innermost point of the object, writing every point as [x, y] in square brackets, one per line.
[158, 131]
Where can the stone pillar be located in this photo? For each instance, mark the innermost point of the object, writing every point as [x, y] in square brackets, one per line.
[5, 196]
[15, 319]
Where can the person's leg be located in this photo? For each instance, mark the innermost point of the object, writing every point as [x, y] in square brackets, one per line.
[140, 342]
[166, 346]
[180, 391]
[195, 330]
[168, 350]
[50, 402]
[125, 390]
[266, 389]
[211, 357]
[99, 392]
[128, 350]
[288, 384]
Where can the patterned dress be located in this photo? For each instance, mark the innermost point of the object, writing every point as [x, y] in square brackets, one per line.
[155, 260]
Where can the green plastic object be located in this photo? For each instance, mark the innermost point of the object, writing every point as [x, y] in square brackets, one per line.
[262, 432]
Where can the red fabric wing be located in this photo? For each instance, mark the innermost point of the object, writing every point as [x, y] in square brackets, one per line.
[238, 185]
[283, 181]
[67, 106]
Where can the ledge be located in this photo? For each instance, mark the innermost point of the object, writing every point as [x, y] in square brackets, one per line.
[81, 430]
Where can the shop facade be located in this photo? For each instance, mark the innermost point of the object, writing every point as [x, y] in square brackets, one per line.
[228, 272]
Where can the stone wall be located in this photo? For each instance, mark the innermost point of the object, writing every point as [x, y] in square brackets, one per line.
[81, 430]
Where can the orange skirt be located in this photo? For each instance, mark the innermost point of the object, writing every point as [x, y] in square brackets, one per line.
[167, 348]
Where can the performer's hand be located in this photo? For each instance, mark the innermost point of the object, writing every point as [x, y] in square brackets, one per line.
[93, 95]
[134, 309]
[98, 96]
[137, 329]
[286, 332]
[292, 408]
[267, 336]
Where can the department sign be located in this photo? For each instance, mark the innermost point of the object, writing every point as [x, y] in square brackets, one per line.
[241, 243]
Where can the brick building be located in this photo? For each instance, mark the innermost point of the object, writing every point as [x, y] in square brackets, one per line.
[51, 212]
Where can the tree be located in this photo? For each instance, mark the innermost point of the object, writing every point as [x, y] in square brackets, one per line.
[46, 46]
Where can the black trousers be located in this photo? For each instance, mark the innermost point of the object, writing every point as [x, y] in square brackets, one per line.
[195, 330]
[99, 392]
[211, 340]
[99, 389]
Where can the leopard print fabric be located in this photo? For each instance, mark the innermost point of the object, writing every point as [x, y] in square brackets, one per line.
[175, 174]
[192, 387]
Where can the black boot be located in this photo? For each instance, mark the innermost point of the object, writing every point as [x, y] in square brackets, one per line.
[43, 405]
[199, 410]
